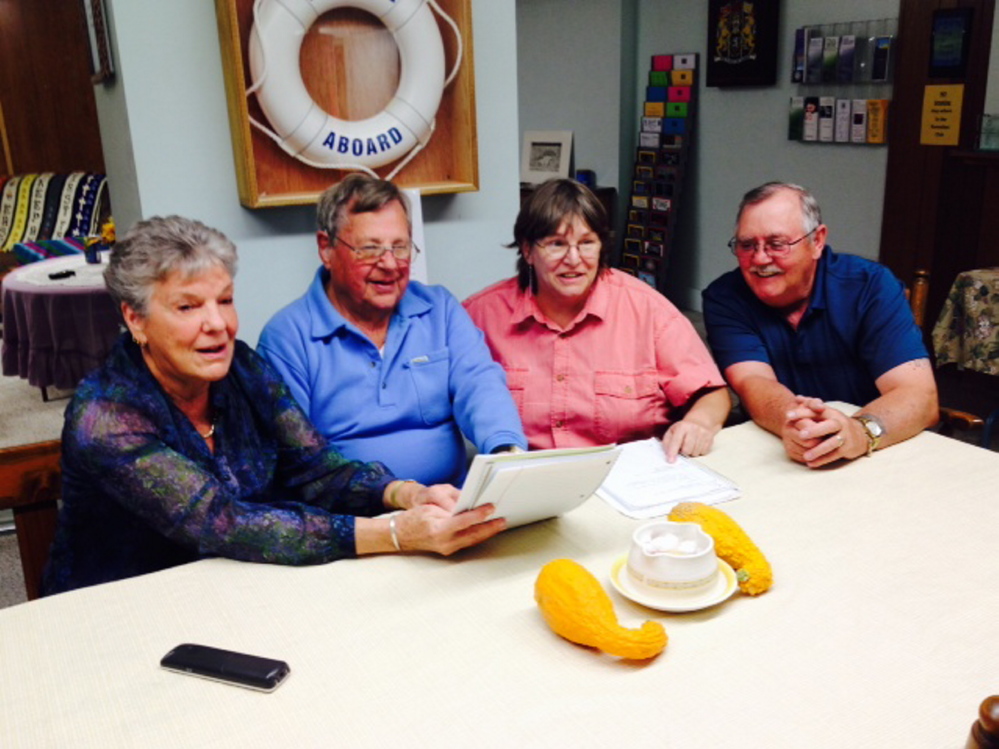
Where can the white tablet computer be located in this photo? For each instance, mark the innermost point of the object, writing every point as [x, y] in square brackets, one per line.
[531, 486]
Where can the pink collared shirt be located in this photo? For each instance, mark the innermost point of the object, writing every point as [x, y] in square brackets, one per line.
[617, 373]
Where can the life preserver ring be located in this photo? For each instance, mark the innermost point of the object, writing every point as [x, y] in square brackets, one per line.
[308, 132]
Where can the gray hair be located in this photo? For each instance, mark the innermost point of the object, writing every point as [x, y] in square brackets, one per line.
[154, 248]
[360, 194]
[811, 214]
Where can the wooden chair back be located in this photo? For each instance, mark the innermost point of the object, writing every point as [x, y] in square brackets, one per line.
[917, 294]
[30, 485]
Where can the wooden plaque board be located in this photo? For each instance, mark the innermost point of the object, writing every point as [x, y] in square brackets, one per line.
[350, 66]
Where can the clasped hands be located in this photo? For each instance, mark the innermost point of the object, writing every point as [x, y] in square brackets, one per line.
[816, 434]
[426, 524]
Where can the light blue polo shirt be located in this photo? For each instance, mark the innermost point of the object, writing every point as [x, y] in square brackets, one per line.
[407, 407]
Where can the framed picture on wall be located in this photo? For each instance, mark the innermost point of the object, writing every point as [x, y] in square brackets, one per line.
[547, 154]
[951, 42]
[742, 42]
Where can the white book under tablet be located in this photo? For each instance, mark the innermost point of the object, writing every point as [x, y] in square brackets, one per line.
[525, 487]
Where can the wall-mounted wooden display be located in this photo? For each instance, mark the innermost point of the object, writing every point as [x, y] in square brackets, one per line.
[350, 67]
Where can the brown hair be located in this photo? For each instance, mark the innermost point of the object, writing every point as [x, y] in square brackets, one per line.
[549, 206]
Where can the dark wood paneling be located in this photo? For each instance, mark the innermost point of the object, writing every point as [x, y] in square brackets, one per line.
[968, 225]
[927, 195]
[48, 100]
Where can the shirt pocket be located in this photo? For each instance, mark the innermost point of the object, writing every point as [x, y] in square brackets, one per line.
[516, 383]
[627, 405]
[430, 374]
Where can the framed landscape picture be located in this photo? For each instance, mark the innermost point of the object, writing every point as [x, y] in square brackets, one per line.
[547, 154]
[742, 42]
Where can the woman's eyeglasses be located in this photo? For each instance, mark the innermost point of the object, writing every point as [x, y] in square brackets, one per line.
[556, 248]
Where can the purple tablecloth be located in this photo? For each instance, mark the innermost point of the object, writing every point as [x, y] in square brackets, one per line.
[57, 330]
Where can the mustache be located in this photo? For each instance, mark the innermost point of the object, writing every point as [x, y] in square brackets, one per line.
[766, 270]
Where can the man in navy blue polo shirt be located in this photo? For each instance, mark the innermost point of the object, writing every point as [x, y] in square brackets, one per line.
[798, 324]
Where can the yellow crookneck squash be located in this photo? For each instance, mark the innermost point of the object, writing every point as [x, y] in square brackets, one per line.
[731, 544]
[577, 608]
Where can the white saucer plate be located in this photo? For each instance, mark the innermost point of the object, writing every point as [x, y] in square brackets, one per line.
[713, 594]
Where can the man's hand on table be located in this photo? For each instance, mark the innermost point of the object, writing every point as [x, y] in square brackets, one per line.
[817, 434]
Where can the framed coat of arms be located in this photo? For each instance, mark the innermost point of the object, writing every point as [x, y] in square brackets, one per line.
[742, 42]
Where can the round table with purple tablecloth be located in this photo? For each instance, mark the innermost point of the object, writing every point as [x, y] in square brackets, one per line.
[59, 321]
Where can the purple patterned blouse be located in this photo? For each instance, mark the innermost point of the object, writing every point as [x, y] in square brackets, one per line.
[142, 491]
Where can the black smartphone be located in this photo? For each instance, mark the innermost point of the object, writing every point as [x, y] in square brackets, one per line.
[59, 275]
[241, 669]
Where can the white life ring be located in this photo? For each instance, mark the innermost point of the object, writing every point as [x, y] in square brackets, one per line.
[308, 132]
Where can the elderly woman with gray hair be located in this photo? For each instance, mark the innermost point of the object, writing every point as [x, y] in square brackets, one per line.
[186, 444]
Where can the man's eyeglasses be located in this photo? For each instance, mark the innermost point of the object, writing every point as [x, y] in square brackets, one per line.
[372, 253]
[773, 246]
[556, 248]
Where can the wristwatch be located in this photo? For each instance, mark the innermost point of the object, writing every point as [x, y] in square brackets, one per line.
[507, 449]
[874, 430]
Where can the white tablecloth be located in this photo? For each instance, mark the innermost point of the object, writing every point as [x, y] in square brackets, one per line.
[880, 631]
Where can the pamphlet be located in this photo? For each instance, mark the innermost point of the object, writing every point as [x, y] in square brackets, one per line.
[830, 58]
[643, 485]
[877, 116]
[796, 118]
[810, 130]
[858, 128]
[844, 68]
[843, 111]
[798, 66]
[813, 59]
[827, 106]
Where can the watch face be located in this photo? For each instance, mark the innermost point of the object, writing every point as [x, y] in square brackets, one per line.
[872, 427]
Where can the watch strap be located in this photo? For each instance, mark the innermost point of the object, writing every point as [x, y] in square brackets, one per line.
[873, 429]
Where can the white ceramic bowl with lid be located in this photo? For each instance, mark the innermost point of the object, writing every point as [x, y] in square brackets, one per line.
[675, 558]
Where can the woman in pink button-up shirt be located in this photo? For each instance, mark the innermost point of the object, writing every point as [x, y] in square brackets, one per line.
[593, 355]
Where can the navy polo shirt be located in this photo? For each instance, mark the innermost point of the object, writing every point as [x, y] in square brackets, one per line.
[857, 327]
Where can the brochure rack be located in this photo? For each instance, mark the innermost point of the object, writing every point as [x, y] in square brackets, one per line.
[661, 160]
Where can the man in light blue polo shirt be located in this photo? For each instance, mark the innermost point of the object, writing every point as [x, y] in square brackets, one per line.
[798, 324]
[387, 368]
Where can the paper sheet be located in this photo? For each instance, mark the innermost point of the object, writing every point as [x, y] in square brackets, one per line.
[643, 485]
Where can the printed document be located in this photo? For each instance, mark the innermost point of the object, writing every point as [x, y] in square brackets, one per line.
[643, 485]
